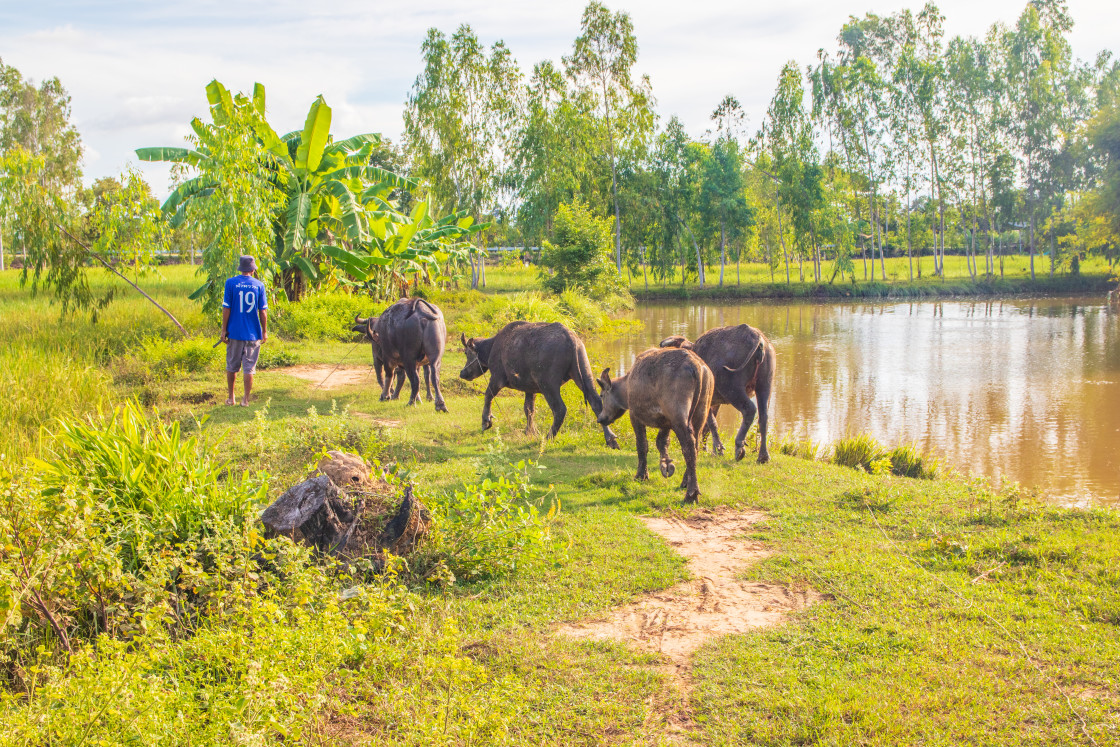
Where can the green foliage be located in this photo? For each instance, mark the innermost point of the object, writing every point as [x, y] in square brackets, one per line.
[486, 529]
[157, 486]
[908, 461]
[581, 256]
[322, 315]
[859, 451]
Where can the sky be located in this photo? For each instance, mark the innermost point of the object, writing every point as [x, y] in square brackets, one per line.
[136, 69]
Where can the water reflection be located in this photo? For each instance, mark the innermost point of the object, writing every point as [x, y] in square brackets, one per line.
[1024, 390]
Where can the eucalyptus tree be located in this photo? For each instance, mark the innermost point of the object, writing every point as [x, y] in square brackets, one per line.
[552, 157]
[1044, 89]
[867, 55]
[787, 137]
[722, 199]
[36, 120]
[602, 64]
[460, 123]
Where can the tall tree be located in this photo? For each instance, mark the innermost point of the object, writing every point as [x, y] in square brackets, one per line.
[460, 122]
[722, 199]
[36, 120]
[602, 63]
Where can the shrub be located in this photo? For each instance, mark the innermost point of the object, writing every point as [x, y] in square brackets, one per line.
[484, 530]
[157, 487]
[326, 315]
[582, 256]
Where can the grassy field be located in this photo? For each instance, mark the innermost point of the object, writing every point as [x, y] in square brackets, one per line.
[952, 613]
[754, 280]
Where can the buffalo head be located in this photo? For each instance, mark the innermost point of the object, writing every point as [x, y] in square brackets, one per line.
[614, 400]
[475, 367]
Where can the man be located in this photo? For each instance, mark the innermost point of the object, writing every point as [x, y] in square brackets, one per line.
[244, 325]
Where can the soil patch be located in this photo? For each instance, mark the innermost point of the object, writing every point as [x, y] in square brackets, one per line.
[329, 377]
[677, 621]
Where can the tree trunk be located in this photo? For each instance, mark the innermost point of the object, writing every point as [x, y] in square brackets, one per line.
[111, 269]
[1030, 246]
[781, 233]
[722, 250]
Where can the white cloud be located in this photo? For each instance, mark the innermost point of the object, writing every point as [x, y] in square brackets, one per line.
[136, 70]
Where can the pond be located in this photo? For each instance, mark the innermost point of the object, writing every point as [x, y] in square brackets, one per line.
[1024, 390]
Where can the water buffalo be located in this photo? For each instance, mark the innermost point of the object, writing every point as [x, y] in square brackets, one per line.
[535, 358]
[742, 360]
[667, 389]
[408, 335]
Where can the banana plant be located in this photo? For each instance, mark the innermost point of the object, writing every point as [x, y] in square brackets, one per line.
[323, 182]
[398, 251]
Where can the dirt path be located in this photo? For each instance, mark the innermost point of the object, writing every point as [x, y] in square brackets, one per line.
[322, 374]
[677, 621]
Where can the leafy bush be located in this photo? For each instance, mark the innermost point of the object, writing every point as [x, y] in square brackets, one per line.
[484, 530]
[324, 315]
[582, 256]
[156, 486]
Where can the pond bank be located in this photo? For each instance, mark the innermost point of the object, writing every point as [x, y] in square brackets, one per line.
[930, 289]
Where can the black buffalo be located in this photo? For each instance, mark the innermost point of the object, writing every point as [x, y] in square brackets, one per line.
[409, 335]
[534, 358]
[742, 360]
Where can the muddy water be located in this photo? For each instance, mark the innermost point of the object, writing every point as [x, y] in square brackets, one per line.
[1020, 390]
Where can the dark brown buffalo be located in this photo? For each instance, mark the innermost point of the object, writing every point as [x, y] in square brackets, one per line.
[742, 360]
[666, 389]
[364, 326]
[408, 335]
[535, 358]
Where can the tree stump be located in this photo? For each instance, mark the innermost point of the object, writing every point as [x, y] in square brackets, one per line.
[318, 511]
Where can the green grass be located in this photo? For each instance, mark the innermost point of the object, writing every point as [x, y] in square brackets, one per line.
[754, 281]
[951, 612]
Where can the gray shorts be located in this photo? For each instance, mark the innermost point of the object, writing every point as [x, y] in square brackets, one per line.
[242, 354]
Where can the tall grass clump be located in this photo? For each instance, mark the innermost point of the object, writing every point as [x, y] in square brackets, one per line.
[802, 448]
[909, 461]
[325, 315]
[861, 451]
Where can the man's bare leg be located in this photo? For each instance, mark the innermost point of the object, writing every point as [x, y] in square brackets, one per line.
[231, 378]
[248, 390]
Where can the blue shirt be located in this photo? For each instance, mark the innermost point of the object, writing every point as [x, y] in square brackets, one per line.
[244, 297]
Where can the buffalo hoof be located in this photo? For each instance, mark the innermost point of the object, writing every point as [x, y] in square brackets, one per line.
[487, 424]
[693, 497]
[740, 452]
[763, 457]
[612, 444]
[643, 476]
[441, 407]
[667, 469]
[717, 449]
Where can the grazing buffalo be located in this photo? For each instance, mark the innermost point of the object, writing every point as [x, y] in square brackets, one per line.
[742, 360]
[408, 335]
[535, 358]
[670, 390]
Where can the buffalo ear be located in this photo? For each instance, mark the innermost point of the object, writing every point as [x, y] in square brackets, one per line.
[374, 336]
[605, 379]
